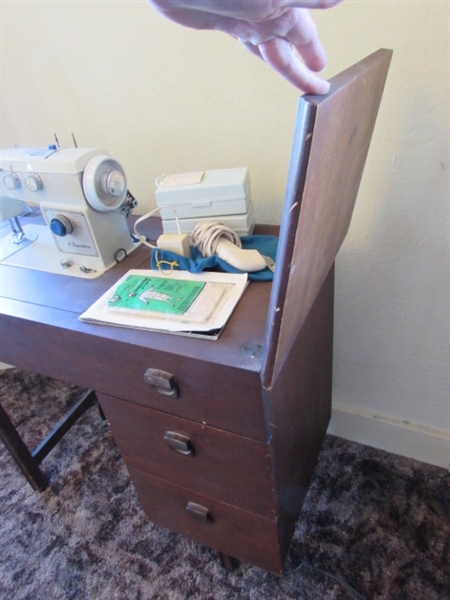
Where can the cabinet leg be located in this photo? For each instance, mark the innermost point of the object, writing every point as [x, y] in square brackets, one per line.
[69, 419]
[228, 562]
[20, 453]
[28, 462]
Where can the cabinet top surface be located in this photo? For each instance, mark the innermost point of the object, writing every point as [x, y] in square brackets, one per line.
[57, 301]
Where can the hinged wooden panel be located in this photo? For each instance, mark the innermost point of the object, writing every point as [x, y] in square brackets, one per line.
[331, 143]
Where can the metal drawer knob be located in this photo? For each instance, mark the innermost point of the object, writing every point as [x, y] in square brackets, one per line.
[162, 382]
[199, 512]
[179, 443]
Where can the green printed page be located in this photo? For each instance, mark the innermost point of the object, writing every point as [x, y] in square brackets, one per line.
[155, 294]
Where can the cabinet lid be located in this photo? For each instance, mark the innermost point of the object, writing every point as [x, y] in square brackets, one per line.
[331, 141]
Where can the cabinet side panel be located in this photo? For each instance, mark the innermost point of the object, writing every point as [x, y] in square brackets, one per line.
[299, 406]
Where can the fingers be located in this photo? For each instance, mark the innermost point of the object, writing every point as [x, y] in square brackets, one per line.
[294, 30]
[302, 34]
[273, 38]
[280, 55]
[276, 40]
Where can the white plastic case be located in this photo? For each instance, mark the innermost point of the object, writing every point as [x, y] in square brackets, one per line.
[220, 192]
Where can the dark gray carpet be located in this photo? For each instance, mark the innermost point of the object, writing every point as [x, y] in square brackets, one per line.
[374, 525]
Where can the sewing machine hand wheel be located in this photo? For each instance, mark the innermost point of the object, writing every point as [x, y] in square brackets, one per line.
[104, 183]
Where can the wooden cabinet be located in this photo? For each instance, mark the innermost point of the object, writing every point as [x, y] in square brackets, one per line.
[249, 485]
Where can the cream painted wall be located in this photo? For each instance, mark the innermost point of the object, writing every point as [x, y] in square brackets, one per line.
[161, 98]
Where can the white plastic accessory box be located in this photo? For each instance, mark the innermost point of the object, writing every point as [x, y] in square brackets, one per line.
[220, 192]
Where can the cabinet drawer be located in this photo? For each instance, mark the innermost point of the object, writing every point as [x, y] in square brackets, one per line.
[238, 533]
[221, 396]
[222, 465]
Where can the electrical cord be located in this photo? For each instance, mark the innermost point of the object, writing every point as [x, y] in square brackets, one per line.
[143, 238]
[206, 235]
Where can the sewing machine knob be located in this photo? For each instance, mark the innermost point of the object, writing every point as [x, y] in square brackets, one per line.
[104, 183]
[34, 182]
[60, 225]
[116, 184]
[11, 181]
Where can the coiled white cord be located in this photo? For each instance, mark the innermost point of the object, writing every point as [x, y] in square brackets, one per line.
[206, 235]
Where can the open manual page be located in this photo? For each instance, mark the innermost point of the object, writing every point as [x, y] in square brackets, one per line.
[179, 302]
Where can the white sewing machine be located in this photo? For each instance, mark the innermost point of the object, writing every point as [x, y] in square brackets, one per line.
[83, 196]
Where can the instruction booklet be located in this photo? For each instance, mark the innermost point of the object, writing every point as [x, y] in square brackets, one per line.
[178, 302]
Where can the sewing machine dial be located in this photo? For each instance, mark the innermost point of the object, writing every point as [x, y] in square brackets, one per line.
[71, 231]
[61, 225]
[11, 181]
[115, 184]
[33, 182]
[104, 183]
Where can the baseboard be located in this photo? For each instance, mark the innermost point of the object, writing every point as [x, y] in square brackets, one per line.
[428, 445]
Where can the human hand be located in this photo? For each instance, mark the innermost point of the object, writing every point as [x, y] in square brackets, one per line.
[278, 31]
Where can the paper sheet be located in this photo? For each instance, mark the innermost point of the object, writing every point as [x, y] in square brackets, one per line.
[177, 303]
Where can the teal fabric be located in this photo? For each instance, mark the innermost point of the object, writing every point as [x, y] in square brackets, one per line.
[265, 244]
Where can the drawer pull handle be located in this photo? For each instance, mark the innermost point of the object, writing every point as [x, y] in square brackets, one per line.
[162, 382]
[179, 443]
[199, 512]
